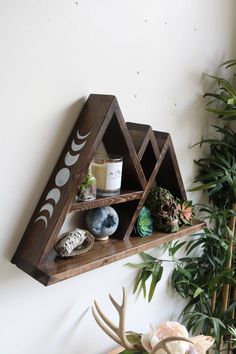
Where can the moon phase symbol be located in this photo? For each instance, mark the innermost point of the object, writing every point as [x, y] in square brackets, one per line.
[62, 177]
[77, 147]
[54, 194]
[82, 136]
[71, 159]
[44, 219]
[48, 207]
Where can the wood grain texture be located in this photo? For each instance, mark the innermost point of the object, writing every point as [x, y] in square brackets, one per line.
[39, 237]
[148, 159]
[123, 197]
[103, 253]
[106, 252]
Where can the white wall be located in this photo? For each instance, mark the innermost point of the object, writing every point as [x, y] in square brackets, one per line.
[151, 55]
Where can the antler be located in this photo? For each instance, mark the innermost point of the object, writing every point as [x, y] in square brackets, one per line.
[116, 333]
[162, 344]
[201, 343]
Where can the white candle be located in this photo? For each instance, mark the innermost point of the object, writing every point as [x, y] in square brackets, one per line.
[108, 173]
[100, 172]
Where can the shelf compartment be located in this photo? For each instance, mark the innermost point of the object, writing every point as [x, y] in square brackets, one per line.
[106, 252]
[149, 158]
[123, 197]
[116, 141]
[145, 145]
[169, 175]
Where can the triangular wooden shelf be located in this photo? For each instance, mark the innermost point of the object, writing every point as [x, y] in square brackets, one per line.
[148, 158]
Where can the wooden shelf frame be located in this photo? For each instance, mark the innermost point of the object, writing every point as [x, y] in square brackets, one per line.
[123, 197]
[107, 252]
[149, 159]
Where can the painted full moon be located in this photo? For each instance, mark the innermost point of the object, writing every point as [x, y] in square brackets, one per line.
[62, 177]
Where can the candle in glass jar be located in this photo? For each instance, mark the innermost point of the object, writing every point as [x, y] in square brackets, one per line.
[100, 171]
[108, 173]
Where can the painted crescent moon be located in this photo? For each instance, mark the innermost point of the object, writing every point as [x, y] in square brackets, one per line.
[71, 159]
[62, 177]
[44, 219]
[77, 147]
[54, 194]
[82, 136]
[48, 207]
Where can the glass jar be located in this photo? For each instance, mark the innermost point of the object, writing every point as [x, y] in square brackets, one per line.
[88, 189]
[108, 172]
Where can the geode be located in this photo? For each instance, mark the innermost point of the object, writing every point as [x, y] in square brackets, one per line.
[102, 222]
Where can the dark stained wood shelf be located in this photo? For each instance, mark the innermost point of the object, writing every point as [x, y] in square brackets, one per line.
[148, 159]
[106, 252]
[123, 197]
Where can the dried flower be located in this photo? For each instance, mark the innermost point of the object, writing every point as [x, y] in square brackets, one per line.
[164, 330]
[167, 337]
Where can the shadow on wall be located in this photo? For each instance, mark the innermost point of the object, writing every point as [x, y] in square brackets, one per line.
[232, 26]
[68, 118]
[66, 334]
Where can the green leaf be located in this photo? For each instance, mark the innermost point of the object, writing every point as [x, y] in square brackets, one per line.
[146, 257]
[228, 112]
[220, 97]
[203, 187]
[193, 244]
[231, 101]
[136, 282]
[185, 259]
[230, 232]
[144, 277]
[143, 285]
[156, 277]
[176, 247]
[134, 337]
[229, 63]
[224, 85]
[197, 292]
[139, 265]
[186, 273]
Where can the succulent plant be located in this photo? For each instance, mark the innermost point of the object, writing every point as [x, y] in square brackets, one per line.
[144, 223]
[186, 211]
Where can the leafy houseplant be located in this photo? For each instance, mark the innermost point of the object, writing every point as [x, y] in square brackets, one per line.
[216, 267]
[208, 281]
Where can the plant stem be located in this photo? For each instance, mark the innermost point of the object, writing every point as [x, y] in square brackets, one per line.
[225, 291]
[234, 289]
[213, 302]
[226, 288]
[234, 299]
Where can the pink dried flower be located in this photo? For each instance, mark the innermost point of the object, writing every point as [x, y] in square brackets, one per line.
[162, 331]
[199, 344]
